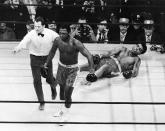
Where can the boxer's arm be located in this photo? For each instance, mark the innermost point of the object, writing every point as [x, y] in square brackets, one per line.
[136, 67]
[23, 44]
[112, 52]
[52, 51]
[84, 51]
[143, 48]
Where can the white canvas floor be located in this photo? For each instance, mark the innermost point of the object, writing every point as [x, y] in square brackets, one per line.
[149, 86]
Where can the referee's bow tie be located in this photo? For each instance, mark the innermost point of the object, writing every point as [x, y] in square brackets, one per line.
[40, 34]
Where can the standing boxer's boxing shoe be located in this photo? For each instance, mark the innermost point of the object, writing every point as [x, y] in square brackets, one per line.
[41, 106]
[68, 103]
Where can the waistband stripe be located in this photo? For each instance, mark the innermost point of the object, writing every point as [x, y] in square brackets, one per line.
[68, 66]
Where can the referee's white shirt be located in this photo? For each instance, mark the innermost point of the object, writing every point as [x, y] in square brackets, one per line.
[38, 45]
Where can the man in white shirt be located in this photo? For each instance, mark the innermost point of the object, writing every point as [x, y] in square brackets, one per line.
[39, 42]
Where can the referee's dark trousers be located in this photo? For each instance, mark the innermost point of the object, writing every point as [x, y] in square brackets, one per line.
[36, 62]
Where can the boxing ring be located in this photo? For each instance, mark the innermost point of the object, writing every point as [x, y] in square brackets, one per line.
[110, 104]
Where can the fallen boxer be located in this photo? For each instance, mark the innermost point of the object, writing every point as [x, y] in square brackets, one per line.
[119, 60]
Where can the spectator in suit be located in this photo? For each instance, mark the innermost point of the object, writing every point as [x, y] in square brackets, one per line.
[53, 26]
[67, 11]
[29, 25]
[150, 35]
[49, 11]
[136, 28]
[101, 32]
[121, 33]
[109, 10]
[18, 12]
[31, 9]
[90, 9]
[137, 20]
[6, 33]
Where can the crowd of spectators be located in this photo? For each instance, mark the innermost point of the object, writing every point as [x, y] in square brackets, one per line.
[91, 21]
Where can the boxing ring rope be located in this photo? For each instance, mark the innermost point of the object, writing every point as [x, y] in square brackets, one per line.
[70, 122]
[83, 123]
[80, 102]
[87, 102]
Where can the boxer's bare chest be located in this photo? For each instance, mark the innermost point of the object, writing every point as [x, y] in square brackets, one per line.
[67, 47]
[127, 63]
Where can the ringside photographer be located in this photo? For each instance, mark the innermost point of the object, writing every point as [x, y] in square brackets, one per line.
[84, 32]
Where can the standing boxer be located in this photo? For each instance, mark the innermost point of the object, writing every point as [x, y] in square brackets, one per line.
[69, 49]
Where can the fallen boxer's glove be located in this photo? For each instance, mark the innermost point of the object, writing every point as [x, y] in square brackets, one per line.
[91, 77]
[127, 74]
[96, 59]
[44, 72]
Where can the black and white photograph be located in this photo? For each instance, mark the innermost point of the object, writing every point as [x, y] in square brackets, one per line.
[82, 65]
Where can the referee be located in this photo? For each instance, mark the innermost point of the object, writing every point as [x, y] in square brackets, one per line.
[39, 42]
